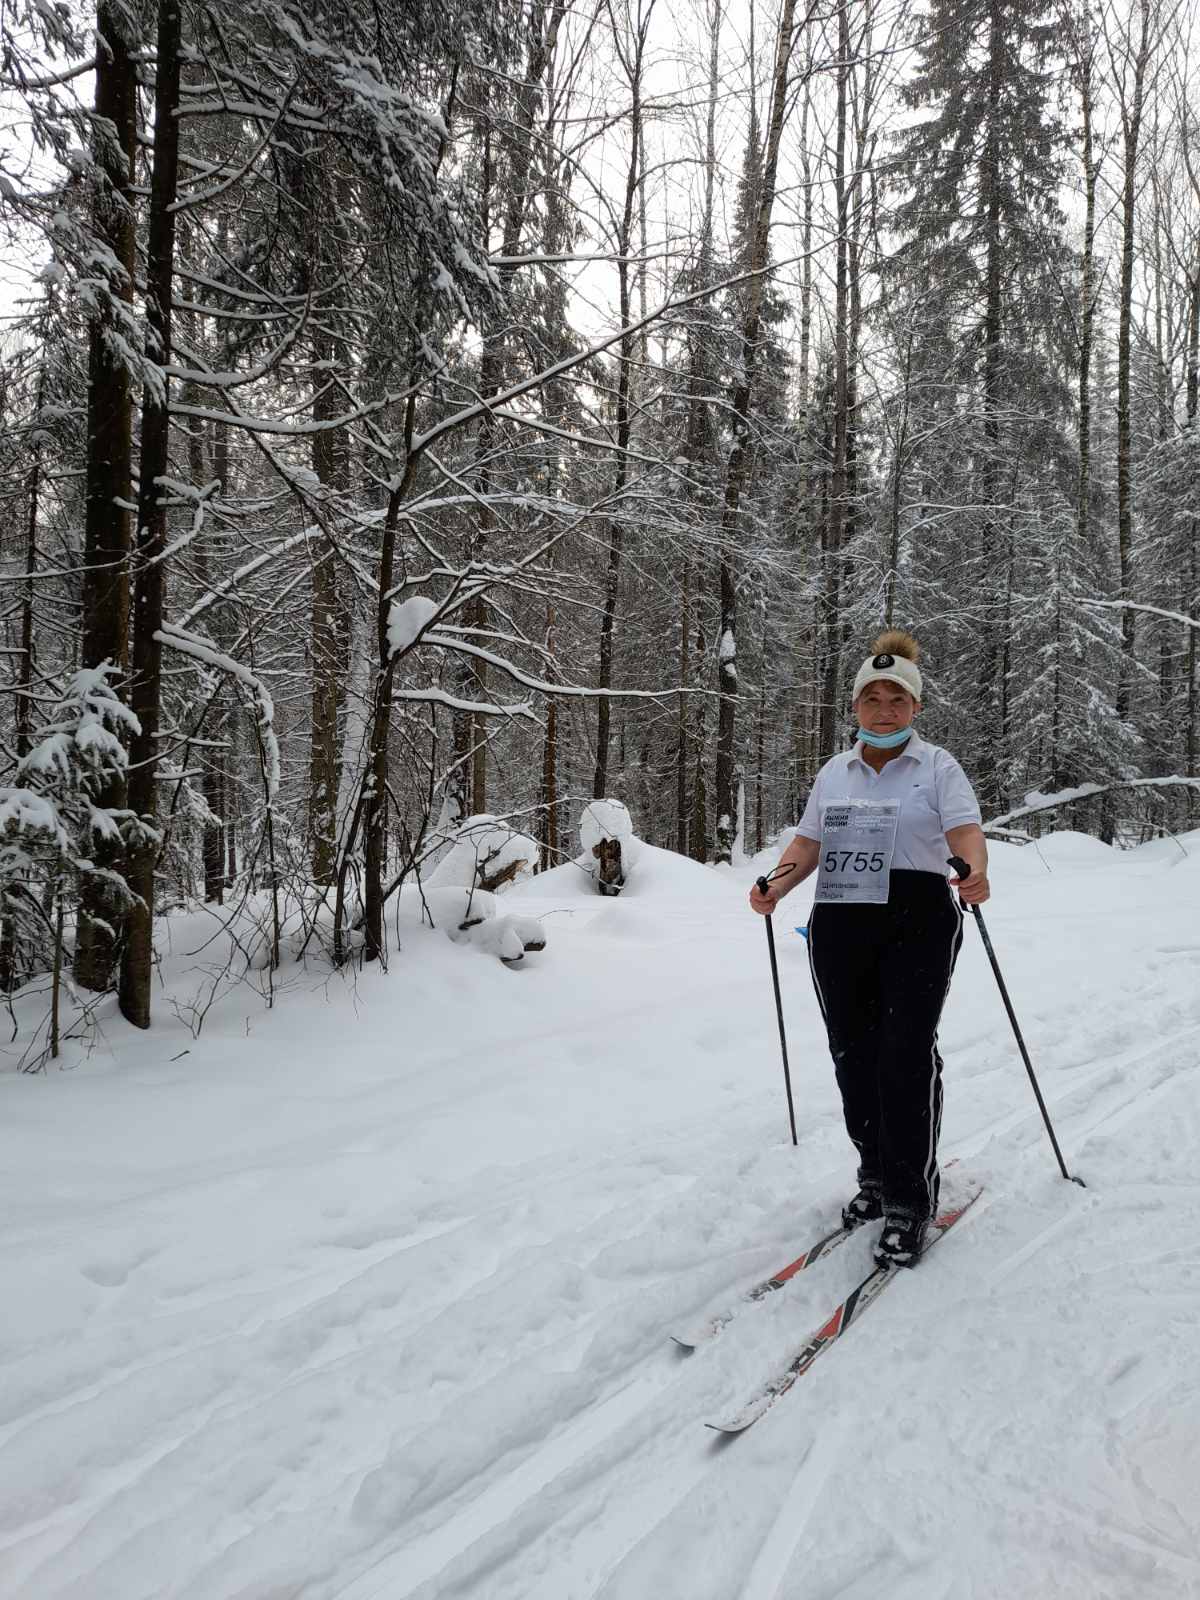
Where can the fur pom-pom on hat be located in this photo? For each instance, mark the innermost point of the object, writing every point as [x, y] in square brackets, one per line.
[894, 658]
[895, 642]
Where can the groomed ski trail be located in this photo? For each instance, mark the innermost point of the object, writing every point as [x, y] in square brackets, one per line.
[393, 1319]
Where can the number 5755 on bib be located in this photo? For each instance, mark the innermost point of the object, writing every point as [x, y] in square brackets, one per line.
[858, 841]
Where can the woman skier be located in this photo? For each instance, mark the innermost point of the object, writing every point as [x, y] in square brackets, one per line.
[884, 933]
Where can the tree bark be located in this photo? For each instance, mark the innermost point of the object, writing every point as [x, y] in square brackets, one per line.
[219, 791]
[372, 806]
[512, 179]
[330, 462]
[109, 462]
[991, 639]
[738, 466]
[1193, 596]
[839, 486]
[690, 818]
[1091, 171]
[23, 687]
[682, 750]
[1131, 123]
[22, 714]
[623, 418]
[760, 757]
[148, 595]
[375, 800]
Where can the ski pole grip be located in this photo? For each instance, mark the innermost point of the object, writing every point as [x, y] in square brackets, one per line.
[961, 867]
[762, 886]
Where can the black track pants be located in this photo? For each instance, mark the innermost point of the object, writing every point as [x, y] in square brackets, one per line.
[882, 974]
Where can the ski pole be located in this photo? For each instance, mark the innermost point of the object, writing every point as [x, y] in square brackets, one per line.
[963, 870]
[763, 885]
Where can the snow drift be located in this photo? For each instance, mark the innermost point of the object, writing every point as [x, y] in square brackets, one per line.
[610, 847]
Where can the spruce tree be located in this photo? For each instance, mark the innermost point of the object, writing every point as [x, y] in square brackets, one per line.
[980, 221]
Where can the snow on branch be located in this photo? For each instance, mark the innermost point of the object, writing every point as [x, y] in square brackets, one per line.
[53, 816]
[28, 85]
[579, 358]
[230, 584]
[27, 811]
[439, 697]
[1134, 605]
[1035, 802]
[287, 430]
[199, 649]
[408, 621]
[563, 690]
[611, 257]
[597, 442]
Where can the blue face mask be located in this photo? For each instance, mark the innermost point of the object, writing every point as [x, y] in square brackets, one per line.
[885, 741]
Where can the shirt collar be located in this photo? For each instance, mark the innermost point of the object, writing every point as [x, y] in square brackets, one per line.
[915, 750]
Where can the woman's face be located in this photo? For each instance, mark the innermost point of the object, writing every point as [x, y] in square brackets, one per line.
[885, 707]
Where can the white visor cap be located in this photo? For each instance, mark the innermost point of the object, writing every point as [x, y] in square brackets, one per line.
[895, 669]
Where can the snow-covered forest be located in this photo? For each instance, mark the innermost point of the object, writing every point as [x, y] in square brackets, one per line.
[414, 412]
[454, 455]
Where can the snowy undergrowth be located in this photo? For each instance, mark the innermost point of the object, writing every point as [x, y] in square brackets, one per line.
[368, 1295]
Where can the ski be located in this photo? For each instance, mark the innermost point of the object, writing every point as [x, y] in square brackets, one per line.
[817, 1252]
[719, 1319]
[851, 1308]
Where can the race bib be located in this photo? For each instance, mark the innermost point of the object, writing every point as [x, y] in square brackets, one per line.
[858, 840]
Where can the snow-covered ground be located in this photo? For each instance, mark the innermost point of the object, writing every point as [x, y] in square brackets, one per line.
[369, 1296]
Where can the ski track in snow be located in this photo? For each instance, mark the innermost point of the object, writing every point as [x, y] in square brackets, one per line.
[375, 1304]
[425, 1558]
[765, 1580]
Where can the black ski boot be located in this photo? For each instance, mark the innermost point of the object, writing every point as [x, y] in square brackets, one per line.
[866, 1206]
[901, 1242]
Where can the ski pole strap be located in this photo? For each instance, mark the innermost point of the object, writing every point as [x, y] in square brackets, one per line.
[781, 871]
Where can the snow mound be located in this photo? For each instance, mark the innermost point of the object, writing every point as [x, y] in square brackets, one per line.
[506, 937]
[444, 906]
[661, 875]
[610, 846]
[486, 853]
[469, 916]
[406, 618]
[1073, 849]
[1171, 851]
[604, 820]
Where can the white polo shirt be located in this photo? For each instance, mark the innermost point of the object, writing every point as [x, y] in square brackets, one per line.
[932, 789]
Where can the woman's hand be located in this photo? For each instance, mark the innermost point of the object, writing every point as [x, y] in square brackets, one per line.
[974, 889]
[764, 904]
[969, 845]
[795, 864]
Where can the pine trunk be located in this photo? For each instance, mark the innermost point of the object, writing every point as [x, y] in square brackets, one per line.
[219, 791]
[992, 642]
[683, 749]
[1087, 310]
[22, 714]
[328, 630]
[1192, 604]
[375, 794]
[149, 577]
[23, 687]
[839, 486]
[738, 466]
[371, 813]
[548, 835]
[623, 433]
[1131, 116]
[108, 468]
